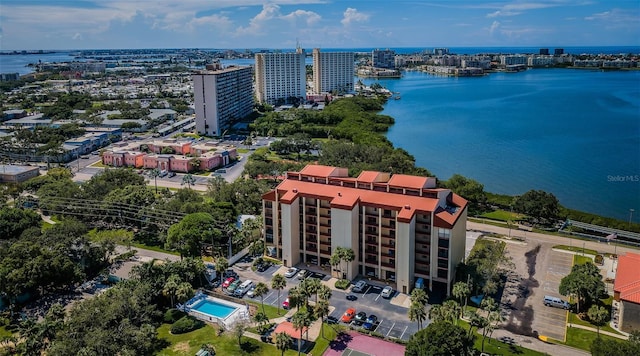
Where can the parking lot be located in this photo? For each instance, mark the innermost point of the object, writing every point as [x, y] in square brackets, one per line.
[392, 319]
[526, 286]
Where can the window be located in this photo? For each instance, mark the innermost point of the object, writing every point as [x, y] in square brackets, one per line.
[444, 233]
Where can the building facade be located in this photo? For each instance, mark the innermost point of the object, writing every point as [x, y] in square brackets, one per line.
[332, 71]
[280, 76]
[222, 96]
[400, 227]
[383, 58]
[626, 293]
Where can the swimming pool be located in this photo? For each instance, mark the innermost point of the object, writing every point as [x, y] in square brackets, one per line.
[213, 308]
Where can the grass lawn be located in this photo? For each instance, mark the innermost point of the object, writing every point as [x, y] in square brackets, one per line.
[495, 347]
[98, 164]
[330, 333]
[242, 150]
[573, 319]
[4, 332]
[580, 260]
[271, 311]
[154, 248]
[582, 339]
[226, 344]
[576, 249]
[502, 215]
[490, 222]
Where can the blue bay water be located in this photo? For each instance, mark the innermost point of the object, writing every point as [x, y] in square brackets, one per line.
[574, 133]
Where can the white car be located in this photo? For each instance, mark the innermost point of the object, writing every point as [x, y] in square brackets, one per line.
[302, 274]
[291, 272]
[250, 292]
[387, 292]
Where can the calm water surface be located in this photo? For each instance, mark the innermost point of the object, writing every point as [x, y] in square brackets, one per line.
[574, 133]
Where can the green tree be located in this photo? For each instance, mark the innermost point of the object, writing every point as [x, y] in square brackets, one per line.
[417, 308]
[462, 291]
[14, 221]
[584, 282]
[221, 266]
[171, 287]
[188, 180]
[278, 282]
[260, 291]
[537, 203]
[324, 292]
[301, 321]
[598, 316]
[155, 173]
[184, 292]
[612, 347]
[187, 235]
[238, 330]
[261, 318]
[321, 309]
[469, 189]
[283, 342]
[440, 338]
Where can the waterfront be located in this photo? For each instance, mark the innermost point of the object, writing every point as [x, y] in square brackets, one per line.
[575, 133]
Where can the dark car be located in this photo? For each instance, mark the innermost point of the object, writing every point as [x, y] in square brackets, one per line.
[331, 320]
[360, 317]
[263, 267]
[351, 297]
[370, 322]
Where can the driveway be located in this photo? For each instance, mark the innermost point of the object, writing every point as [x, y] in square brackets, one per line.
[538, 271]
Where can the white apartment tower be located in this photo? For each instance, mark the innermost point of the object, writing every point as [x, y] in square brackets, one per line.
[280, 76]
[221, 96]
[332, 71]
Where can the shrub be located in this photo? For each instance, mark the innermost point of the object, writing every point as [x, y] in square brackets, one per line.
[343, 284]
[185, 325]
[172, 315]
[599, 260]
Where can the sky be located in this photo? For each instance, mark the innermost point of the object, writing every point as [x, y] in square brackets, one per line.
[240, 24]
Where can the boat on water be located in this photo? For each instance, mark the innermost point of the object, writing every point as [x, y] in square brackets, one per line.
[397, 97]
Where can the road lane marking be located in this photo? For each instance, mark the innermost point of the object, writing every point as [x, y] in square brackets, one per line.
[405, 330]
[391, 328]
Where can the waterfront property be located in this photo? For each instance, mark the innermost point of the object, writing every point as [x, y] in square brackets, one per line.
[280, 76]
[400, 227]
[215, 310]
[332, 72]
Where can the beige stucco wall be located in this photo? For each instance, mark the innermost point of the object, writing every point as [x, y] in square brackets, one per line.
[291, 233]
[405, 255]
[344, 233]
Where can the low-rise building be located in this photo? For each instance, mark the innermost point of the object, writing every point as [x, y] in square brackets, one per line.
[10, 173]
[626, 292]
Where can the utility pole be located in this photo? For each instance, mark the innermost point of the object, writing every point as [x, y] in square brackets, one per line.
[630, 217]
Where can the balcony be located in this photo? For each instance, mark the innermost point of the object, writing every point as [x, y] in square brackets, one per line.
[422, 271]
[388, 243]
[372, 261]
[312, 247]
[325, 252]
[313, 239]
[325, 243]
[311, 220]
[390, 233]
[422, 263]
[388, 264]
[325, 222]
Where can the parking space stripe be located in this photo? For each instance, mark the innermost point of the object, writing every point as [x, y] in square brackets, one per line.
[405, 330]
[391, 328]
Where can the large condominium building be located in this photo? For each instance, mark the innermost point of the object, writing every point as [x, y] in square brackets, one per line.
[400, 227]
[383, 58]
[221, 96]
[280, 76]
[332, 71]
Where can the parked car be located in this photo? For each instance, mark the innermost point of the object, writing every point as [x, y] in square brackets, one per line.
[285, 304]
[250, 292]
[302, 274]
[348, 315]
[351, 297]
[163, 174]
[556, 302]
[359, 287]
[171, 174]
[370, 322]
[360, 317]
[227, 282]
[331, 320]
[387, 292]
[233, 286]
[291, 272]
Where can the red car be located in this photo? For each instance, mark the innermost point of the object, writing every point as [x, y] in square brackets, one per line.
[227, 282]
[348, 315]
[285, 304]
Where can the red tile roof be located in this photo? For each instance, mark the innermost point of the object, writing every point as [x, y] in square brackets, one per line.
[406, 181]
[370, 177]
[287, 327]
[322, 171]
[627, 282]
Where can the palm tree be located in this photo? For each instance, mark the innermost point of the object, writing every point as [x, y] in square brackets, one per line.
[171, 287]
[476, 320]
[184, 292]
[261, 318]
[324, 292]
[419, 296]
[321, 309]
[451, 311]
[313, 286]
[461, 291]
[283, 341]
[278, 282]
[335, 259]
[597, 315]
[296, 297]
[300, 321]
[221, 265]
[155, 173]
[260, 291]
[436, 313]
[347, 256]
[188, 180]
[306, 290]
[417, 312]
[239, 330]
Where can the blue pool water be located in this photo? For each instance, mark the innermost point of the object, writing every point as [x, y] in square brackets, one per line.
[210, 307]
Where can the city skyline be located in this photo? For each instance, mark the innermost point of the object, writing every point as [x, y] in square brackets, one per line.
[87, 24]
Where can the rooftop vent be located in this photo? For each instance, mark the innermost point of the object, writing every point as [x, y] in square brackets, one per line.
[295, 190]
[407, 206]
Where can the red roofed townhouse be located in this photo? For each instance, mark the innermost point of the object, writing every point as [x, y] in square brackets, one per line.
[400, 227]
[626, 291]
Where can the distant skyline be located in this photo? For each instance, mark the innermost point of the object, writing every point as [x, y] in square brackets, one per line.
[238, 24]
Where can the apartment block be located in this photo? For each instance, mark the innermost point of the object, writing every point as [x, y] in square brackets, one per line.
[400, 227]
[222, 96]
[333, 71]
[383, 58]
[280, 76]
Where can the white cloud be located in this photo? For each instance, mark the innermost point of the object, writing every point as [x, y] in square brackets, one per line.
[271, 12]
[309, 17]
[352, 15]
[494, 26]
[503, 13]
[77, 36]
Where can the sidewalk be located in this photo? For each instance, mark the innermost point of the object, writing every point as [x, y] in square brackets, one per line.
[538, 345]
[603, 332]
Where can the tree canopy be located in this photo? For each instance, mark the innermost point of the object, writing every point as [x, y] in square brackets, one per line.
[538, 204]
[440, 338]
[585, 283]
